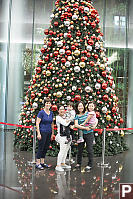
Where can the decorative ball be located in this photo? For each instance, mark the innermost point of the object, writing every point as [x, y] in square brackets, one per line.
[104, 85]
[113, 110]
[74, 17]
[121, 120]
[76, 69]
[67, 64]
[67, 23]
[97, 86]
[32, 96]
[88, 89]
[89, 48]
[107, 89]
[77, 97]
[108, 117]
[69, 58]
[86, 9]
[62, 51]
[59, 94]
[82, 64]
[59, 44]
[74, 88]
[76, 53]
[68, 97]
[34, 105]
[105, 97]
[104, 109]
[54, 108]
[48, 73]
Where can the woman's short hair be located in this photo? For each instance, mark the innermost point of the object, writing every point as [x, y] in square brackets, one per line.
[76, 107]
[47, 100]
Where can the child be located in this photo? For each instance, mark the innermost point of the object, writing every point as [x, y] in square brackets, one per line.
[90, 121]
[70, 115]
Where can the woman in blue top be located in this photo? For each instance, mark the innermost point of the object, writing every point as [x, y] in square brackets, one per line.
[45, 132]
[88, 136]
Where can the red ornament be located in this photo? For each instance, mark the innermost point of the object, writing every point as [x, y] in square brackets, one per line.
[90, 42]
[46, 58]
[105, 97]
[40, 62]
[63, 60]
[38, 69]
[73, 47]
[113, 110]
[104, 73]
[93, 24]
[83, 59]
[96, 56]
[92, 63]
[54, 108]
[45, 90]
[104, 85]
[56, 53]
[56, 23]
[43, 50]
[32, 95]
[121, 120]
[77, 97]
[88, 54]
[46, 31]
[68, 52]
[97, 114]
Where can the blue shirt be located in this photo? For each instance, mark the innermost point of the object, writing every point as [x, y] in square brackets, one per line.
[81, 119]
[46, 121]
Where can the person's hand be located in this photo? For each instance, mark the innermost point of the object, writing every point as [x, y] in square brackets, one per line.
[82, 124]
[88, 128]
[52, 137]
[71, 126]
[39, 136]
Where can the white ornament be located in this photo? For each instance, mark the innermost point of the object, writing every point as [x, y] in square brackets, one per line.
[113, 86]
[88, 89]
[69, 58]
[52, 16]
[89, 48]
[62, 51]
[67, 23]
[86, 9]
[67, 64]
[74, 88]
[34, 105]
[97, 86]
[68, 97]
[104, 109]
[107, 89]
[74, 17]
[76, 69]
[33, 120]
[96, 134]
[59, 43]
[65, 35]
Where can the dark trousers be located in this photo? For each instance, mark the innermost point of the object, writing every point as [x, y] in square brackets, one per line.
[43, 145]
[88, 139]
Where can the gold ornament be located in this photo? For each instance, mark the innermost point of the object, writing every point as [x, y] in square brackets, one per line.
[108, 117]
[56, 85]
[48, 73]
[65, 84]
[54, 94]
[59, 94]
[102, 67]
[60, 85]
[58, 80]
[49, 95]
[63, 67]
[76, 52]
[40, 100]
[82, 64]
[27, 103]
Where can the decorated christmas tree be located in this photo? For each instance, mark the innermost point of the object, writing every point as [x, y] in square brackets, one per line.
[73, 67]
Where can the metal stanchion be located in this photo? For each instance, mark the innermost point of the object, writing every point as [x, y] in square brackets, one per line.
[103, 150]
[34, 146]
[70, 156]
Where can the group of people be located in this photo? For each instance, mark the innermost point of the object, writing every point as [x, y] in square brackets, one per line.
[81, 117]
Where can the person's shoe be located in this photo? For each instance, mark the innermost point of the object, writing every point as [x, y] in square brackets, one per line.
[87, 168]
[77, 166]
[65, 166]
[45, 165]
[80, 140]
[39, 166]
[59, 168]
[68, 140]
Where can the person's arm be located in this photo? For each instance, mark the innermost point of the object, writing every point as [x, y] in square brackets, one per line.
[80, 127]
[62, 121]
[37, 128]
[88, 118]
[52, 125]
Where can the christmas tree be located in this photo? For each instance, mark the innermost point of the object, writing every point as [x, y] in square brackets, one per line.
[73, 67]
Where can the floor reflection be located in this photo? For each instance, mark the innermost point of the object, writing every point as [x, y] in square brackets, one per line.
[30, 183]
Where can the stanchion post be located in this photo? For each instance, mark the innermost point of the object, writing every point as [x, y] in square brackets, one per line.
[70, 155]
[103, 149]
[34, 146]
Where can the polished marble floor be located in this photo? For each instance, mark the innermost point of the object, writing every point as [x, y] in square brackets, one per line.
[20, 180]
